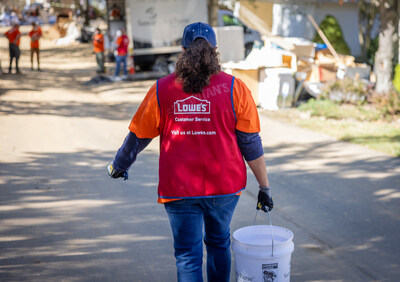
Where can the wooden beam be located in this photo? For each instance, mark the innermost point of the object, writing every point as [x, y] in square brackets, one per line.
[321, 33]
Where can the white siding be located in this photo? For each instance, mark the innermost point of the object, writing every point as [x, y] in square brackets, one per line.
[347, 16]
[291, 21]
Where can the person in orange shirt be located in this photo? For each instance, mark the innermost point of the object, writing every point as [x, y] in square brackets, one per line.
[35, 34]
[98, 48]
[115, 13]
[14, 36]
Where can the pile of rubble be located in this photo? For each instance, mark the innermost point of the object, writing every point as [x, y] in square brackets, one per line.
[286, 70]
[64, 31]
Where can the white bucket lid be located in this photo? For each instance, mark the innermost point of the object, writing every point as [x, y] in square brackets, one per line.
[256, 240]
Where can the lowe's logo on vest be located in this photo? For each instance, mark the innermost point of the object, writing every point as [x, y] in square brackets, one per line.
[192, 105]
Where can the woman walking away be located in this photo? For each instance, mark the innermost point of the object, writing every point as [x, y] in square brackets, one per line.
[207, 122]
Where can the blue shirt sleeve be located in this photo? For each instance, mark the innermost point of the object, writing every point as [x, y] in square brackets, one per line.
[250, 145]
[129, 150]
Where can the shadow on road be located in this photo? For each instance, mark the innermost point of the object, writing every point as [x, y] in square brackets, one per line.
[352, 200]
[63, 67]
[374, 140]
[119, 111]
[112, 108]
[61, 217]
[49, 79]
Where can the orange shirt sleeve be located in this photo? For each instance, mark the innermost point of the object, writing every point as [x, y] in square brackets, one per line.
[118, 41]
[245, 108]
[7, 34]
[146, 122]
[11, 35]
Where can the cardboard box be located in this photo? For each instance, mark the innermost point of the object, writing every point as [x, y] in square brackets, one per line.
[250, 78]
[320, 74]
[326, 75]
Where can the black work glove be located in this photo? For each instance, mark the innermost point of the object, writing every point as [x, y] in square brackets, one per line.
[115, 173]
[264, 201]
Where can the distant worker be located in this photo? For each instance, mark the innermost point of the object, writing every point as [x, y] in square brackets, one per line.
[122, 43]
[14, 37]
[98, 48]
[35, 34]
[115, 13]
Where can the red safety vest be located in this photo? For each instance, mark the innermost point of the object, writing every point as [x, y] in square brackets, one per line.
[199, 153]
[123, 43]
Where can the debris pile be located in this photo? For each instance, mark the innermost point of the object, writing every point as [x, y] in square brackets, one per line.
[64, 31]
[287, 70]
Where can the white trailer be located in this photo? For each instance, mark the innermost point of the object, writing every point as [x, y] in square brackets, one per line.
[155, 27]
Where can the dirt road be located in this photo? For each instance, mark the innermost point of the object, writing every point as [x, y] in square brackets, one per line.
[63, 219]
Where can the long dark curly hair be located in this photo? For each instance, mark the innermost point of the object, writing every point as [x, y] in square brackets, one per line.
[196, 65]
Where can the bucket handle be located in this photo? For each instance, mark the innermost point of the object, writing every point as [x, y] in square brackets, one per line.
[270, 225]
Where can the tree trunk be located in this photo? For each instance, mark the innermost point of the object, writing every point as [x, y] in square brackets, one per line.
[367, 10]
[384, 55]
[361, 36]
[398, 30]
[87, 18]
[212, 12]
[372, 12]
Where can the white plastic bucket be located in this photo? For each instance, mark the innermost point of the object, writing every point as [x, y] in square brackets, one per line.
[262, 253]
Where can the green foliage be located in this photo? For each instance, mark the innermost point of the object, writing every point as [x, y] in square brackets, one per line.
[322, 107]
[396, 79]
[387, 103]
[332, 30]
[347, 90]
[331, 110]
[350, 99]
[371, 51]
[381, 136]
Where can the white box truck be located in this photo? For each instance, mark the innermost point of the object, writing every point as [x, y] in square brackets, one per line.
[155, 28]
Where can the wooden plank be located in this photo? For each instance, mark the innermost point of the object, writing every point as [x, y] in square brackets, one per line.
[320, 32]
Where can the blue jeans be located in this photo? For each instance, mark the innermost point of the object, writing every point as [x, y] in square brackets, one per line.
[118, 60]
[187, 218]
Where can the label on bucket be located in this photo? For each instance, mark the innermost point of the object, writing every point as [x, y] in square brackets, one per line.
[270, 272]
[240, 277]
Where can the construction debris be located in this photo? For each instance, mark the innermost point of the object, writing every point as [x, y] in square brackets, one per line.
[64, 31]
[270, 72]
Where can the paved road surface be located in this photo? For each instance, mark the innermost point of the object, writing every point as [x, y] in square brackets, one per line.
[63, 219]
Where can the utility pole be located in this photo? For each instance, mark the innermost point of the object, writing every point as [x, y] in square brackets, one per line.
[87, 18]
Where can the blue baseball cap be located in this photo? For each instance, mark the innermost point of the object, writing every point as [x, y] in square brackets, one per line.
[198, 30]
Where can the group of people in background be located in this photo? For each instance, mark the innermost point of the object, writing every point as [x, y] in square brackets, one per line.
[14, 37]
[121, 53]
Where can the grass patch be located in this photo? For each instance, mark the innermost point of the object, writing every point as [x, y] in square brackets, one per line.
[380, 136]
[332, 110]
[350, 111]
[346, 123]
